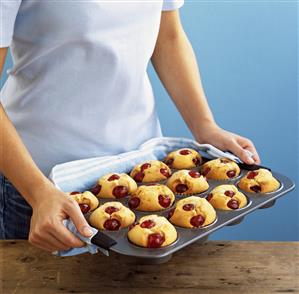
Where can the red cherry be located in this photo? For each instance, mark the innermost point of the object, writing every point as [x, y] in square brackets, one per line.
[169, 161]
[164, 200]
[233, 204]
[84, 207]
[111, 209]
[197, 221]
[155, 240]
[229, 193]
[256, 189]
[224, 160]
[194, 174]
[96, 190]
[188, 207]
[74, 193]
[147, 224]
[120, 191]
[251, 175]
[145, 166]
[113, 177]
[134, 202]
[165, 172]
[185, 152]
[196, 161]
[112, 224]
[206, 171]
[231, 173]
[170, 213]
[181, 188]
[139, 177]
[209, 197]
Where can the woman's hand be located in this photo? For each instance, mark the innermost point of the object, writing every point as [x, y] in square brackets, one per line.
[227, 141]
[47, 230]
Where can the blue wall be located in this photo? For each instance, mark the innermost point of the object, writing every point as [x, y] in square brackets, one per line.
[248, 58]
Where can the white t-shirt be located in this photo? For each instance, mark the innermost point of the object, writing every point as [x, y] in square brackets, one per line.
[79, 86]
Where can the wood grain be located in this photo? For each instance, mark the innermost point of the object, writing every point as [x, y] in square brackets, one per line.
[214, 267]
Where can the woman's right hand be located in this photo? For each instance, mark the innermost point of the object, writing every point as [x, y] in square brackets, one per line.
[47, 230]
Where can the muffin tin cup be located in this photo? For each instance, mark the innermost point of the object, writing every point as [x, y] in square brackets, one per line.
[181, 195]
[162, 182]
[199, 228]
[253, 193]
[196, 168]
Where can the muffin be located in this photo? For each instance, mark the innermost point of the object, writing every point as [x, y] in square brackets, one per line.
[86, 200]
[259, 181]
[185, 158]
[111, 216]
[192, 212]
[150, 171]
[152, 231]
[227, 197]
[220, 169]
[187, 182]
[151, 198]
[114, 185]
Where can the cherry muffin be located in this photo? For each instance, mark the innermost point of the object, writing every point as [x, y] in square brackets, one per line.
[183, 159]
[192, 212]
[151, 198]
[114, 185]
[227, 197]
[150, 171]
[112, 216]
[152, 231]
[86, 200]
[187, 182]
[259, 181]
[220, 169]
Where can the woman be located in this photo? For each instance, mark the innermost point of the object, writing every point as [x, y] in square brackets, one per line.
[78, 89]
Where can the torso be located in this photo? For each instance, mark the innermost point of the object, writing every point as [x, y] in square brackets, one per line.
[79, 86]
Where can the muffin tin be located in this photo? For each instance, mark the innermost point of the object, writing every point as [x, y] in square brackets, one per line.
[118, 242]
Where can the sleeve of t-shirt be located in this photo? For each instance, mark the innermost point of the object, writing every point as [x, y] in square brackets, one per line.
[172, 4]
[8, 13]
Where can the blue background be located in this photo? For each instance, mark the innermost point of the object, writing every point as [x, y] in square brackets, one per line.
[247, 53]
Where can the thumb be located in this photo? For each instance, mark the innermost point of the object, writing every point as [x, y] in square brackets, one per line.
[240, 152]
[79, 221]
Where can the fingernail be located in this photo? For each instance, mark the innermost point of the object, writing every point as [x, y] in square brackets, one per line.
[87, 231]
[250, 160]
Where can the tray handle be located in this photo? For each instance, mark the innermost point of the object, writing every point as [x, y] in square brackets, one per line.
[103, 241]
[251, 167]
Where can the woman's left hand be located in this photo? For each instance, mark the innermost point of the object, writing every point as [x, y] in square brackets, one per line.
[227, 141]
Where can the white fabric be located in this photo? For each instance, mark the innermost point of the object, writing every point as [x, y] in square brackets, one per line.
[80, 175]
[79, 87]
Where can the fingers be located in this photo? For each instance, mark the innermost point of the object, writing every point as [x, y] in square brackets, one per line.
[48, 242]
[248, 145]
[239, 151]
[66, 237]
[54, 237]
[73, 210]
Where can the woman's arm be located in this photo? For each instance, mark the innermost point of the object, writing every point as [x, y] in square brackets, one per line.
[176, 66]
[50, 206]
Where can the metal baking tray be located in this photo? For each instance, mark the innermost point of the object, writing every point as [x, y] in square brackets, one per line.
[82, 176]
[188, 236]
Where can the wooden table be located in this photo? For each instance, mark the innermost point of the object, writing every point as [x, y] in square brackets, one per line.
[214, 267]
